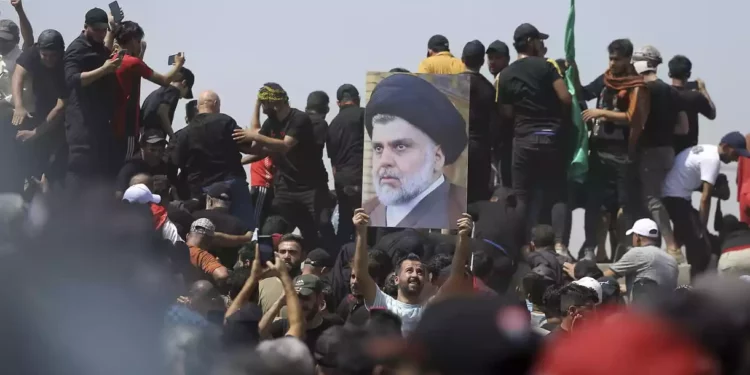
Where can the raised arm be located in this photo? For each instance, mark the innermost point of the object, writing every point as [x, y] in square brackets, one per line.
[256, 274]
[457, 282]
[366, 284]
[166, 79]
[25, 25]
[709, 112]
[294, 312]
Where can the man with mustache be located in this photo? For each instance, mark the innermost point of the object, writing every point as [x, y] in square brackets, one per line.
[416, 131]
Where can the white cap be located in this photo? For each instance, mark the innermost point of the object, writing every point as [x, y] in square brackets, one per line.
[139, 193]
[645, 228]
[591, 283]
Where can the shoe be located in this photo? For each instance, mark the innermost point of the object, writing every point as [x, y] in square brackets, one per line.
[677, 255]
[563, 251]
[587, 254]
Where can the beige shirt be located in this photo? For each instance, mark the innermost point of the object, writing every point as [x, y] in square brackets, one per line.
[269, 291]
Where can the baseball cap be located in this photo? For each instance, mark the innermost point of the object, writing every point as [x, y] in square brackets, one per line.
[318, 258]
[527, 30]
[610, 289]
[347, 92]
[219, 190]
[9, 30]
[647, 53]
[473, 49]
[203, 226]
[438, 43]
[140, 193]
[51, 40]
[188, 76]
[152, 136]
[317, 99]
[306, 285]
[97, 18]
[498, 47]
[736, 141]
[644, 227]
[593, 284]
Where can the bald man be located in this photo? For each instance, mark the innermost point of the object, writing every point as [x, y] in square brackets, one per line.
[206, 154]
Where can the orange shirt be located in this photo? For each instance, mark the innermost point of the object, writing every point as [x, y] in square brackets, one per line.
[204, 260]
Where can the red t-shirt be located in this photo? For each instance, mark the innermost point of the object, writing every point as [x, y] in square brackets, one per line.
[260, 173]
[128, 102]
[743, 185]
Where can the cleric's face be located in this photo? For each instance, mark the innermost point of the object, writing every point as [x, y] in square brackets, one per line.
[405, 161]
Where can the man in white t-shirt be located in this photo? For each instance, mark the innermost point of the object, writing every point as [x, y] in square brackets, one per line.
[697, 168]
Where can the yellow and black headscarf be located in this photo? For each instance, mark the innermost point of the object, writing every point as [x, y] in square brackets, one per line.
[272, 92]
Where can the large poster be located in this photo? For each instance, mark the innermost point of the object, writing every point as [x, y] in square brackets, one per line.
[415, 149]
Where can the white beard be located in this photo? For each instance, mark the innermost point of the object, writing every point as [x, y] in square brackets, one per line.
[411, 185]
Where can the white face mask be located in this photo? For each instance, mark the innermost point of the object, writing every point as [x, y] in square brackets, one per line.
[641, 67]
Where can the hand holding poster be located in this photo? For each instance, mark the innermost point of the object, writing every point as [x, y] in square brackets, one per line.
[415, 159]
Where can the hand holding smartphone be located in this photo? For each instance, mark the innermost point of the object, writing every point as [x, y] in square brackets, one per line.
[170, 60]
[116, 12]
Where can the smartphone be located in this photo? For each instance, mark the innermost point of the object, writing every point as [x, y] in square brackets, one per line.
[691, 85]
[114, 8]
[170, 60]
[265, 248]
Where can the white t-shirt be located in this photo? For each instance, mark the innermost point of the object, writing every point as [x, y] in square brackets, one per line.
[691, 168]
[409, 314]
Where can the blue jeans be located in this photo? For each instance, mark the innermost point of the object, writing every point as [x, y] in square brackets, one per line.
[242, 202]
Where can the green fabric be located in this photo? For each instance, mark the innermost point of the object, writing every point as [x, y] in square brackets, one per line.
[579, 164]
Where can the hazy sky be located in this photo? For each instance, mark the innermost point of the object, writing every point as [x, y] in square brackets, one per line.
[233, 47]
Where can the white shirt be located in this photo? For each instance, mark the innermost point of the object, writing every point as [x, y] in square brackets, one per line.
[692, 167]
[7, 67]
[394, 214]
[409, 314]
[169, 232]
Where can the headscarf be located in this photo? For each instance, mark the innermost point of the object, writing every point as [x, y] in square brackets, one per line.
[622, 84]
[272, 92]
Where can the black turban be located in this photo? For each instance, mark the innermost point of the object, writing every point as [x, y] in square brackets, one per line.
[424, 106]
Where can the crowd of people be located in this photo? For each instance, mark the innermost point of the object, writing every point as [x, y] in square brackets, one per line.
[155, 253]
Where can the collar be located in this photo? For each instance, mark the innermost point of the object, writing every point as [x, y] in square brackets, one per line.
[394, 214]
[444, 53]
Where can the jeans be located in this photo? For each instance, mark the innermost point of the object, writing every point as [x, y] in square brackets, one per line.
[539, 161]
[689, 231]
[242, 202]
[654, 164]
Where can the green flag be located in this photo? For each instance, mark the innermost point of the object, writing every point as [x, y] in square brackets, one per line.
[579, 164]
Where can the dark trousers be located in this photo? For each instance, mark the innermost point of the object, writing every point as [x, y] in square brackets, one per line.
[262, 197]
[689, 231]
[503, 160]
[305, 210]
[480, 173]
[349, 198]
[540, 163]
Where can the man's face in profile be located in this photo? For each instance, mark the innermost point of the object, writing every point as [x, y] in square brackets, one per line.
[405, 161]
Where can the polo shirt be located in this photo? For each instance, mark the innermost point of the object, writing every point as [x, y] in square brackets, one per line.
[442, 63]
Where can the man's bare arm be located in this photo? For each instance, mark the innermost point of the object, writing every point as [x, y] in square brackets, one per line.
[705, 205]
[367, 285]
[27, 32]
[166, 123]
[457, 282]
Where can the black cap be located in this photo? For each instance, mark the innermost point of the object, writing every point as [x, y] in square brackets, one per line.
[736, 141]
[347, 92]
[438, 43]
[499, 48]
[318, 258]
[97, 18]
[219, 190]
[51, 40]
[610, 289]
[474, 48]
[527, 30]
[188, 76]
[424, 106]
[9, 30]
[153, 136]
[317, 99]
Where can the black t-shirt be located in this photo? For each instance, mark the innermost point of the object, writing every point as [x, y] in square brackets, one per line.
[345, 142]
[206, 152]
[48, 83]
[135, 166]
[483, 114]
[169, 95]
[301, 168]
[320, 130]
[694, 103]
[666, 103]
[280, 327]
[526, 84]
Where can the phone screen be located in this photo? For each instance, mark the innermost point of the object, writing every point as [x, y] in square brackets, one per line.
[170, 60]
[265, 248]
[114, 8]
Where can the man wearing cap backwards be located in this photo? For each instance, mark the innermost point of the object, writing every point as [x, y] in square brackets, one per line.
[655, 153]
[198, 240]
[415, 132]
[159, 106]
[89, 111]
[697, 168]
[317, 108]
[483, 123]
[149, 160]
[140, 193]
[645, 266]
[300, 181]
[345, 146]
[439, 58]
[39, 116]
[532, 93]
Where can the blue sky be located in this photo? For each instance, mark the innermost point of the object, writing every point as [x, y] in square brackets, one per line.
[233, 47]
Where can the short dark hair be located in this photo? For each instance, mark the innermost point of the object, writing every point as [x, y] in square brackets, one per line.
[191, 109]
[543, 236]
[247, 252]
[129, 31]
[291, 237]
[275, 224]
[436, 264]
[482, 264]
[551, 301]
[410, 257]
[237, 280]
[398, 70]
[680, 67]
[576, 295]
[621, 48]
[318, 101]
[473, 62]
[378, 265]
[535, 287]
